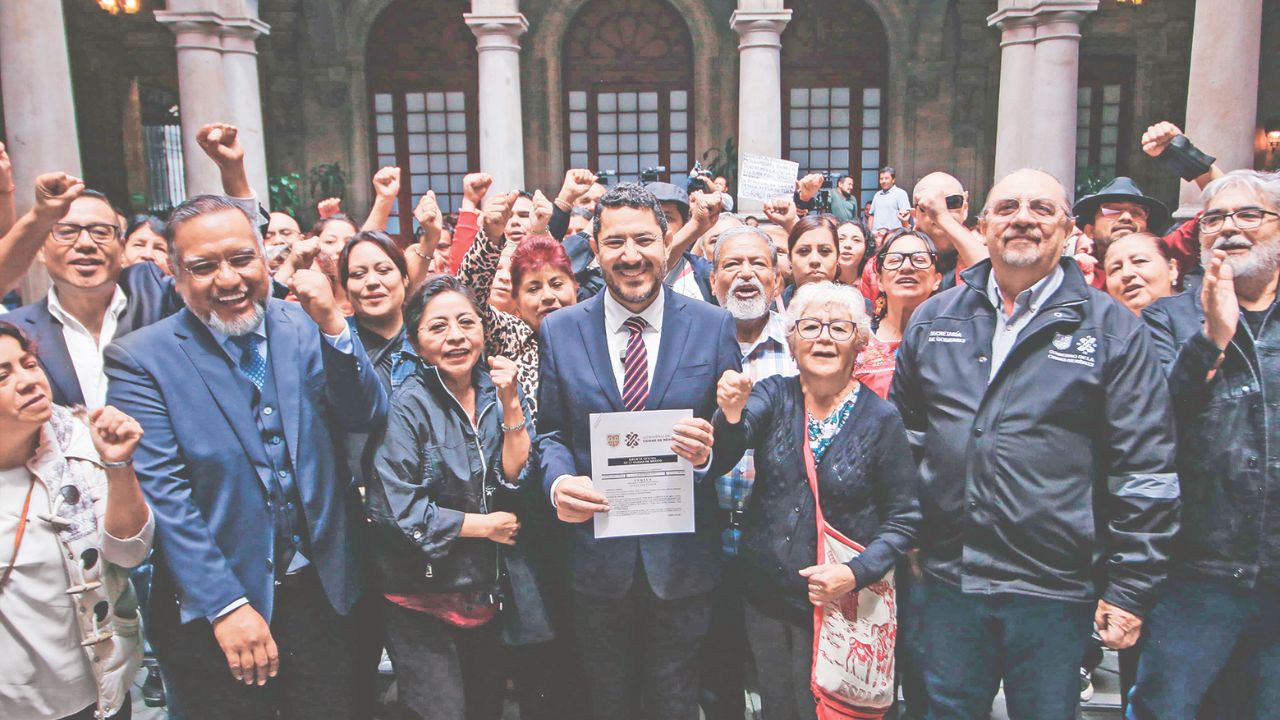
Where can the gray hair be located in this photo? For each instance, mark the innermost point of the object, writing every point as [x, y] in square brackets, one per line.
[744, 230]
[194, 208]
[1265, 184]
[829, 293]
[632, 195]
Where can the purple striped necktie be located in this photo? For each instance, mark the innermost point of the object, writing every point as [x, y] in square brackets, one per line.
[635, 377]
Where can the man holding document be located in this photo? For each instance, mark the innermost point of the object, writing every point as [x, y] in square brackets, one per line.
[638, 359]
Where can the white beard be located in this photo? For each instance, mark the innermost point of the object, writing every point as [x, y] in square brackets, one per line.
[752, 309]
[242, 325]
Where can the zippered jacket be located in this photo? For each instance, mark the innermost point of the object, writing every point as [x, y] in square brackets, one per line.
[1055, 478]
[1228, 443]
[431, 468]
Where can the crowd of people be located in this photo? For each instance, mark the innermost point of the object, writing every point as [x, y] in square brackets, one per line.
[938, 449]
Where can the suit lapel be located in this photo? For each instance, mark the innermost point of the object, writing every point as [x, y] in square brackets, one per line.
[286, 370]
[54, 356]
[675, 333]
[593, 336]
[221, 378]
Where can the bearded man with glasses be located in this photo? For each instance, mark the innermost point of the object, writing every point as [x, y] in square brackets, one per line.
[1043, 429]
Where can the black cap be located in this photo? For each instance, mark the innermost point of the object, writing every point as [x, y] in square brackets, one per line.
[666, 192]
[1122, 189]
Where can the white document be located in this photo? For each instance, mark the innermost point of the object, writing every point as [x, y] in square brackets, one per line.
[765, 178]
[649, 487]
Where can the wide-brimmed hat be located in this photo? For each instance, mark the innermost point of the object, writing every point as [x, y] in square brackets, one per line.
[1122, 189]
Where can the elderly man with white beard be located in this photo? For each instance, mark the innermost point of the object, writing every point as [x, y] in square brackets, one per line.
[745, 281]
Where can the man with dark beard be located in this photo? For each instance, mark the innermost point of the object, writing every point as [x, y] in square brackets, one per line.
[641, 605]
[746, 280]
[1216, 617]
[244, 401]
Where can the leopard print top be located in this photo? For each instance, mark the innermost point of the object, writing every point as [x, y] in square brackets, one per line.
[504, 333]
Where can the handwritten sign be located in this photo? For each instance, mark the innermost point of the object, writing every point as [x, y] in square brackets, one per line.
[765, 178]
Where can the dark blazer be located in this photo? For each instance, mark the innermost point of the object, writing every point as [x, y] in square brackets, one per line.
[151, 296]
[202, 462]
[698, 344]
[867, 480]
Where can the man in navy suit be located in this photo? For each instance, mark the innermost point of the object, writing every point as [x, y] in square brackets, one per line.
[641, 604]
[244, 401]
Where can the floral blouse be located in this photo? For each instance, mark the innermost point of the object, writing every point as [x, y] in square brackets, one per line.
[822, 432]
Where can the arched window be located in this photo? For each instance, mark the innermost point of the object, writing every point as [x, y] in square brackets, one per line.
[422, 77]
[629, 88]
[834, 72]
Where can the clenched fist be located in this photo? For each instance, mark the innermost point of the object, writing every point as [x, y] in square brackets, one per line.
[1157, 138]
[115, 434]
[315, 294]
[221, 143]
[541, 215]
[502, 527]
[503, 372]
[329, 207]
[731, 395]
[497, 211]
[577, 182]
[782, 211]
[809, 185]
[386, 182]
[474, 187]
[54, 194]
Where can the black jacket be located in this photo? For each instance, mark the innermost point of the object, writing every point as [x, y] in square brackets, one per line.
[866, 478]
[1057, 478]
[1228, 442]
[429, 470]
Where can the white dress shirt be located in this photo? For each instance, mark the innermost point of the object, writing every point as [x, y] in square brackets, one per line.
[85, 350]
[617, 336]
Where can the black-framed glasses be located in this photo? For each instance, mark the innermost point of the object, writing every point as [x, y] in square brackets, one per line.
[919, 259]
[242, 263]
[1246, 219]
[954, 202]
[101, 233]
[839, 330]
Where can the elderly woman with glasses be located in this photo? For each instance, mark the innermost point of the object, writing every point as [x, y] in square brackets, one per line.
[866, 481]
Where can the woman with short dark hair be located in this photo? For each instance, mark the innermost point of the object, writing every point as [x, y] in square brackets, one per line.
[455, 450]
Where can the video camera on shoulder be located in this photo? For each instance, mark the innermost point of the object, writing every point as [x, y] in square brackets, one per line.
[652, 174]
[602, 176]
[700, 179]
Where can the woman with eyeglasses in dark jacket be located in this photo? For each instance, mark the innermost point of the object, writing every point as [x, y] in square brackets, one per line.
[455, 450]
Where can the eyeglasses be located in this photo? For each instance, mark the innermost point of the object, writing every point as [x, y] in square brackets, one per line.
[1040, 207]
[100, 233]
[1136, 211]
[242, 263]
[1246, 219]
[838, 330]
[919, 259]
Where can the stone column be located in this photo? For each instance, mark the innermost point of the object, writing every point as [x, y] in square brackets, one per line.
[1054, 92]
[40, 116]
[759, 31]
[201, 90]
[1039, 73]
[1017, 61]
[501, 125]
[1222, 94]
[244, 97]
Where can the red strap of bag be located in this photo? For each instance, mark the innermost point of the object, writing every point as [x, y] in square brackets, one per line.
[22, 528]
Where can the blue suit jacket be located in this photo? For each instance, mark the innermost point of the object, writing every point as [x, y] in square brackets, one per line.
[203, 466]
[698, 344]
[151, 296]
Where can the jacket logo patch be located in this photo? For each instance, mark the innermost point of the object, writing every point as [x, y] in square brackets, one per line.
[946, 336]
[1084, 349]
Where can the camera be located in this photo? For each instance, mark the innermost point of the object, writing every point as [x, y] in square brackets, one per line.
[700, 179]
[602, 176]
[649, 175]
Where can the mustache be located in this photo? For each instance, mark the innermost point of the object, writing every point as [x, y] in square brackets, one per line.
[1231, 241]
[753, 283]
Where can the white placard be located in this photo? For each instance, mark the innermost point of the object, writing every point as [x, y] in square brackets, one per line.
[649, 487]
[765, 178]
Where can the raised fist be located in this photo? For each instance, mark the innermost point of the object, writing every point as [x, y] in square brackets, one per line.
[731, 395]
[577, 182]
[329, 207]
[1157, 138]
[54, 193]
[386, 182]
[303, 252]
[315, 294]
[809, 185]
[497, 211]
[503, 372]
[474, 187]
[782, 211]
[115, 434]
[220, 142]
[541, 215]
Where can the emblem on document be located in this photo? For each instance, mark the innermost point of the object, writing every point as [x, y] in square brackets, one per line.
[633, 440]
[614, 440]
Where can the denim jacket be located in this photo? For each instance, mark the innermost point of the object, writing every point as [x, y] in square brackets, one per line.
[1228, 442]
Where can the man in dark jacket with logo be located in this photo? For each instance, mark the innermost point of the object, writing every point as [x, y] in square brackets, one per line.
[1045, 440]
[1219, 608]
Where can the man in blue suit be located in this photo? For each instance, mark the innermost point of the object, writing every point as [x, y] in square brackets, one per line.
[244, 401]
[641, 605]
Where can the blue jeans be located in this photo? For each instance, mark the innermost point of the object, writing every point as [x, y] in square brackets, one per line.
[1201, 631]
[973, 641]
